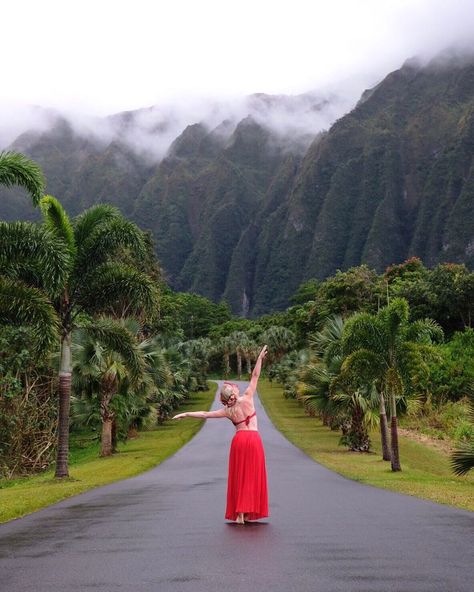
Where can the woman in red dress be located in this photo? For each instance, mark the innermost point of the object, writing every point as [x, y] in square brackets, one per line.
[247, 494]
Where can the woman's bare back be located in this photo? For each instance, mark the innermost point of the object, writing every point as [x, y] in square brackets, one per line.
[243, 409]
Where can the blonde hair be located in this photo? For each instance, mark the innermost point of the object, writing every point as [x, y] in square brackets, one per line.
[227, 392]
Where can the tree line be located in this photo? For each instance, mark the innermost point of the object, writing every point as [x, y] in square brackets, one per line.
[93, 340]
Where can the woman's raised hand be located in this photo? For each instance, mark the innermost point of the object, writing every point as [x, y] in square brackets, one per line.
[263, 353]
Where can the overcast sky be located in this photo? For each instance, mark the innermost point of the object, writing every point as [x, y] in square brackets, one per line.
[103, 56]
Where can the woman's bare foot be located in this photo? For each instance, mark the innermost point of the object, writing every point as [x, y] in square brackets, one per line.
[240, 518]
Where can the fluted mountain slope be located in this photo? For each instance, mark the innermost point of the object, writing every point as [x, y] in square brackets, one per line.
[240, 211]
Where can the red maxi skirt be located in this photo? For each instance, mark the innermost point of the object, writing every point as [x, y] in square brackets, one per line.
[247, 484]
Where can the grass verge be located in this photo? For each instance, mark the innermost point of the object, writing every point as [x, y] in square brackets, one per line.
[425, 472]
[23, 496]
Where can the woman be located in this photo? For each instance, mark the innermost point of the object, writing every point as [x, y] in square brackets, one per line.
[247, 495]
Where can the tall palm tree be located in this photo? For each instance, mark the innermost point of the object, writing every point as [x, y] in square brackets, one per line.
[17, 169]
[240, 344]
[389, 350]
[75, 269]
[250, 350]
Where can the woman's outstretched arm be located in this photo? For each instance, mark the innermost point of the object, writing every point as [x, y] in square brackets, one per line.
[201, 414]
[249, 391]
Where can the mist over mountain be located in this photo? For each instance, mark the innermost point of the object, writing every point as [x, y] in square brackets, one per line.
[247, 200]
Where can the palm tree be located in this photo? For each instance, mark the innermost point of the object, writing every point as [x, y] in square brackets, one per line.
[197, 351]
[109, 353]
[387, 350]
[279, 339]
[240, 345]
[313, 389]
[74, 269]
[321, 388]
[314, 385]
[226, 346]
[250, 351]
[359, 403]
[17, 169]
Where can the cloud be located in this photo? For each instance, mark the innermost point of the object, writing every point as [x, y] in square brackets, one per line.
[195, 63]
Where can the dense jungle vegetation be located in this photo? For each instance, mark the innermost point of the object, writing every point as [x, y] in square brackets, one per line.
[95, 345]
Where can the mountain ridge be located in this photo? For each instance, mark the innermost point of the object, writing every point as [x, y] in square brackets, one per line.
[239, 212]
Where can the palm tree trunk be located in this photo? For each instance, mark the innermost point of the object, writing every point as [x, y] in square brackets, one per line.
[106, 440]
[384, 430]
[239, 365]
[249, 365]
[65, 373]
[226, 365]
[359, 440]
[394, 436]
[114, 435]
[107, 420]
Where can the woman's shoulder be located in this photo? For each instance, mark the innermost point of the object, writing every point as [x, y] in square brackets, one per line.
[246, 405]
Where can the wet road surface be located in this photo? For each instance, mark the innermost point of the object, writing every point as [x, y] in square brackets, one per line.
[165, 531]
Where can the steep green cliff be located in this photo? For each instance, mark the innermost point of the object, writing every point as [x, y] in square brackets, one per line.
[238, 212]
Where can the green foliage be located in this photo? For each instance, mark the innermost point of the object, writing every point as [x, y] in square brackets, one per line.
[22, 305]
[445, 293]
[462, 459]
[252, 328]
[17, 169]
[57, 221]
[190, 316]
[306, 292]
[35, 255]
[27, 404]
[452, 374]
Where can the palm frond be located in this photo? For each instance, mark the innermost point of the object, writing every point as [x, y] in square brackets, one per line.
[107, 240]
[17, 169]
[424, 331]
[462, 459]
[32, 252]
[328, 340]
[362, 363]
[394, 316]
[113, 336]
[363, 331]
[57, 221]
[24, 305]
[90, 219]
[113, 288]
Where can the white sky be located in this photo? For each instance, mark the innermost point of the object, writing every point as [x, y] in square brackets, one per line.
[102, 56]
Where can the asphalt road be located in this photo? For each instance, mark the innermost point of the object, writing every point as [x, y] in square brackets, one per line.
[165, 531]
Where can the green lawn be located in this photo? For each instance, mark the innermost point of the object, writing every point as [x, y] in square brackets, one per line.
[425, 471]
[87, 470]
